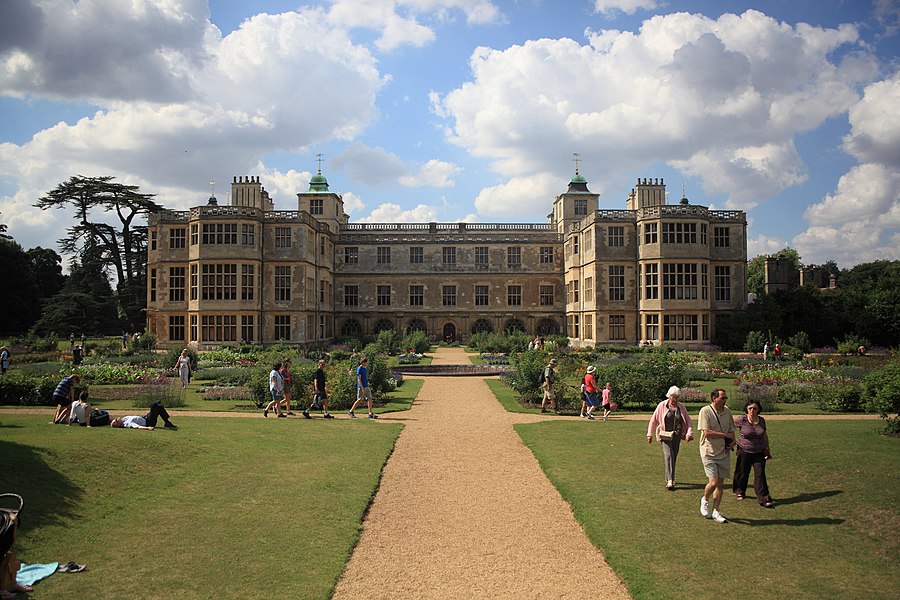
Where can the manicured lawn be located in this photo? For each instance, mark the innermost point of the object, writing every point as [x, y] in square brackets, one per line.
[222, 507]
[833, 533]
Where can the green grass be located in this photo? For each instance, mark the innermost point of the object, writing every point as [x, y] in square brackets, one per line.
[402, 397]
[220, 508]
[833, 534]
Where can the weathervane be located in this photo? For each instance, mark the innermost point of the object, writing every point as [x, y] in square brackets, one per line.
[577, 159]
[319, 160]
[212, 184]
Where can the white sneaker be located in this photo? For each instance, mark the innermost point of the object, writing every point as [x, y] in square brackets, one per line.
[704, 507]
[718, 517]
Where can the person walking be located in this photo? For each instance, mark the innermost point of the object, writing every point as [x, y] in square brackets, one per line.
[766, 352]
[716, 441]
[752, 452]
[286, 380]
[64, 395]
[590, 391]
[4, 359]
[670, 424]
[276, 389]
[183, 367]
[549, 377]
[607, 403]
[320, 393]
[362, 389]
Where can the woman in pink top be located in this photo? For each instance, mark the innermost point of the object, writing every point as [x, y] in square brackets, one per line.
[670, 424]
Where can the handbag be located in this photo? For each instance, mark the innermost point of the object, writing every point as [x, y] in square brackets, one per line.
[666, 436]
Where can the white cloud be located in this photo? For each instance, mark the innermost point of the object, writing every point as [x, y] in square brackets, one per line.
[520, 195]
[377, 166]
[353, 204]
[875, 122]
[394, 213]
[629, 7]
[763, 244]
[436, 173]
[722, 99]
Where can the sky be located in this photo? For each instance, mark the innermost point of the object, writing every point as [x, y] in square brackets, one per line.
[466, 110]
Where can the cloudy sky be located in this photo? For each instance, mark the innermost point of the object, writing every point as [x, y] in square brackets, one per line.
[451, 110]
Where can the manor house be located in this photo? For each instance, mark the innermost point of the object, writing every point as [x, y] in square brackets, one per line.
[247, 272]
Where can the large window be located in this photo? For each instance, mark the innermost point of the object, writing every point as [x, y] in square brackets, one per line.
[615, 236]
[177, 238]
[482, 295]
[448, 255]
[195, 284]
[282, 327]
[248, 234]
[481, 255]
[514, 295]
[679, 233]
[351, 295]
[176, 284]
[651, 281]
[153, 240]
[282, 237]
[588, 327]
[218, 282]
[195, 239]
[722, 283]
[546, 295]
[152, 285]
[448, 295]
[351, 255]
[680, 328]
[616, 283]
[248, 283]
[721, 237]
[617, 327]
[651, 233]
[247, 333]
[679, 281]
[219, 328]
[572, 291]
[383, 295]
[580, 208]
[383, 255]
[220, 233]
[546, 255]
[651, 327]
[514, 256]
[176, 328]
[282, 284]
[416, 255]
[417, 295]
[316, 206]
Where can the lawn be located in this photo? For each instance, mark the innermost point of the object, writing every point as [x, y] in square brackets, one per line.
[222, 507]
[835, 532]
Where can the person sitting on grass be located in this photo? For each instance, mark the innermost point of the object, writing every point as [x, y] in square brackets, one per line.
[9, 587]
[148, 421]
[80, 412]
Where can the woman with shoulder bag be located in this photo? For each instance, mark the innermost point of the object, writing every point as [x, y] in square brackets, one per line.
[670, 424]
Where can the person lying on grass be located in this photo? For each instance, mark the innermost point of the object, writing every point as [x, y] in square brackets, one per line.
[148, 421]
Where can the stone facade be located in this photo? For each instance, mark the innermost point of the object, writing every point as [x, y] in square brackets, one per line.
[247, 272]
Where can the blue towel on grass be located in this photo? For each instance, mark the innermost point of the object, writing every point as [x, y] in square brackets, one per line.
[31, 574]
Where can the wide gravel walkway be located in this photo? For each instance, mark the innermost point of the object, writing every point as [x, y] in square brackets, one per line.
[464, 511]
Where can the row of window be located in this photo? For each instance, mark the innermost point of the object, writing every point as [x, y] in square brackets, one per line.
[384, 255]
[679, 282]
[686, 233]
[228, 234]
[674, 327]
[449, 295]
[225, 328]
[222, 282]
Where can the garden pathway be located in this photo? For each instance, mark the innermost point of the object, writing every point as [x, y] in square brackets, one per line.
[464, 510]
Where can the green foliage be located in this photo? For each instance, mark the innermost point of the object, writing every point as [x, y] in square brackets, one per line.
[495, 343]
[800, 341]
[166, 392]
[882, 390]
[846, 397]
[727, 362]
[528, 368]
[643, 384]
[755, 342]
[19, 389]
[225, 375]
[851, 343]
[20, 304]
[388, 342]
[146, 342]
[418, 341]
[766, 395]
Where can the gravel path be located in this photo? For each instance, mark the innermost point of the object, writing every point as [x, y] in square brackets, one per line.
[464, 510]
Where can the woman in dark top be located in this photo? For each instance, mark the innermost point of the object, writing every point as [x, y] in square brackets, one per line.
[752, 452]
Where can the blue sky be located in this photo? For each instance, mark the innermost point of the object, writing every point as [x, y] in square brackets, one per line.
[450, 110]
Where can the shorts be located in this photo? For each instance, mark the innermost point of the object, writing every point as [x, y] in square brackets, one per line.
[549, 395]
[363, 393]
[277, 396]
[717, 467]
[62, 400]
[591, 398]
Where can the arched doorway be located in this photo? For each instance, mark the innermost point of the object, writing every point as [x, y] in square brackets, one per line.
[382, 325]
[547, 327]
[351, 328]
[514, 325]
[449, 333]
[482, 326]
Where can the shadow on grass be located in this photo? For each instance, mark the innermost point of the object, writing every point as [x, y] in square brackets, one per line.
[787, 522]
[810, 497]
[50, 497]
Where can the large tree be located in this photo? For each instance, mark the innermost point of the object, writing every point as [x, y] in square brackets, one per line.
[20, 304]
[46, 266]
[119, 247]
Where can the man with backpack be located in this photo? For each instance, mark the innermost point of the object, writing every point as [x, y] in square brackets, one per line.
[320, 395]
[548, 376]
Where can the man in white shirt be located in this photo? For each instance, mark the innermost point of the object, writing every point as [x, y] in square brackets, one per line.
[148, 421]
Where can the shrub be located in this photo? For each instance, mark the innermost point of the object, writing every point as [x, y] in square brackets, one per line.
[388, 342]
[234, 393]
[796, 393]
[225, 375]
[755, 342]
[17, 389]
[851, 343]
[845, 397]
[800, 341]
[525, 378]
[727, 362]
[162, 390]
[417, 341]
[643, 384]
[882, 388]
[766, 395]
